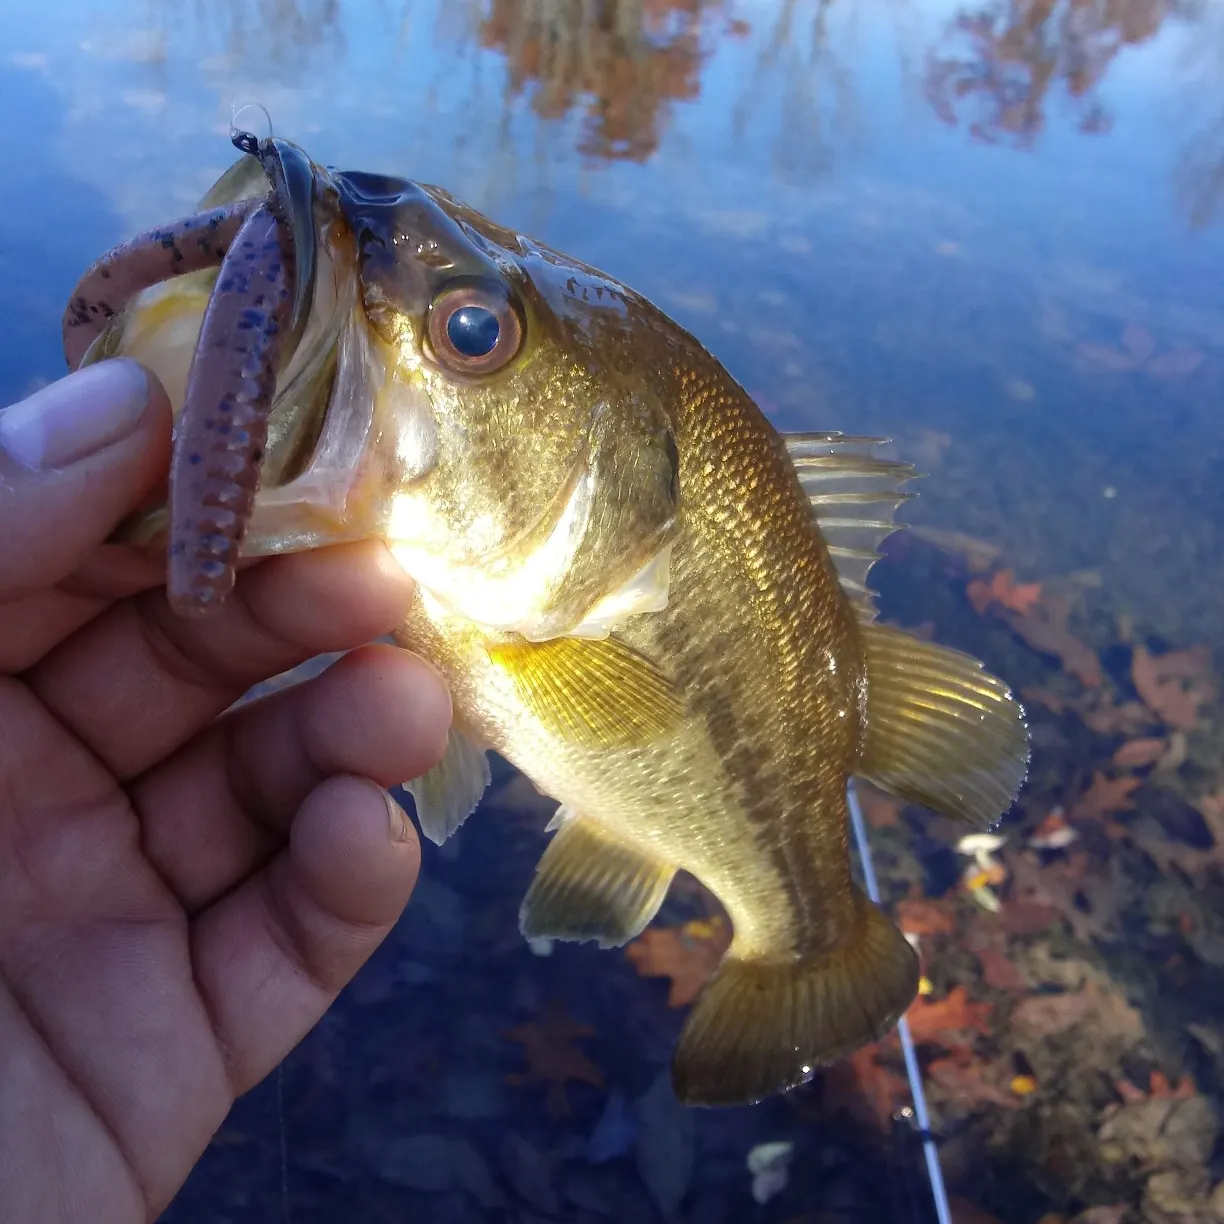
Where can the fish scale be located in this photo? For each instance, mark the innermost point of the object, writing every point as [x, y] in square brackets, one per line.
[638, 592]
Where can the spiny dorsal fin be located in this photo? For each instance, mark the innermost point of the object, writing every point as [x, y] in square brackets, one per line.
[853, 496]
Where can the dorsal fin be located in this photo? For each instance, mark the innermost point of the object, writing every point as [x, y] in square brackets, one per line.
[854, 496]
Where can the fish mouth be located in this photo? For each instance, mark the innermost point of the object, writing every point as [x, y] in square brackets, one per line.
[336, 399]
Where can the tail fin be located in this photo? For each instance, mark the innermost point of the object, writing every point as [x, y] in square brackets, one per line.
[763, 1026]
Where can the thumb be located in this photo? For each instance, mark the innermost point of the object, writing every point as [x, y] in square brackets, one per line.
[75, 458]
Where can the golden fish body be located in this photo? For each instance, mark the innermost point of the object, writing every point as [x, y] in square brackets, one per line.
[641, 595]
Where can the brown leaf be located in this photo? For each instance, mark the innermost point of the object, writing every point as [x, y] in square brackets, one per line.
[929, 1020]
[1045, 1015]
[1135, 754]
[1045, 628]
[965, 1212]
[1173, 685]
[1045, 697]
[879, 1090]
[1104, 796]
[551, 1056]
[1175, 363]
[688, 955]
[963, 1079]
[1108, 718]
[880, 810]
[922, 916]
[1002, 590]
[1106, 357]
[998, 971]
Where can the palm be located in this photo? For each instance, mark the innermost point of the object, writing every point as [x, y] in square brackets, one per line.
[183, 890]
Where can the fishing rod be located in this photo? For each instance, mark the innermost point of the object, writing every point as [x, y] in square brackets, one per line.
[922, 1118]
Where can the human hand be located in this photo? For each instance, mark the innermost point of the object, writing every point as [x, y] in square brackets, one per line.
[183, 892]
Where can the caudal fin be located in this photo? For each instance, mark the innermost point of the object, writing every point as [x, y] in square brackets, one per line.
[763, 1026]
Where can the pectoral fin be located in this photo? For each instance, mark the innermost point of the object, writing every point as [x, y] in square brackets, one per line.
[941, 731]
[589, 885]
[447, 794]
[597, 693]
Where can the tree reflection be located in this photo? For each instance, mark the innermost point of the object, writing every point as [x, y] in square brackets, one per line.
[1005, 62]
[800, 77]
[617, 62]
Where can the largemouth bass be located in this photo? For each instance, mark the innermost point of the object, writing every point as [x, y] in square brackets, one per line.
[638, 592]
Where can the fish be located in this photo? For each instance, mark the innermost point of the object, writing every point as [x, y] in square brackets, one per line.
[639, 592]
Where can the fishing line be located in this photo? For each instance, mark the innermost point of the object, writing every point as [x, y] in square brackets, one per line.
[922, 1118]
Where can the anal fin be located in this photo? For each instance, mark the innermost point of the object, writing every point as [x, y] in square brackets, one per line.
[941, 731]
[446, 795]
[762, 1026]
[590, 885]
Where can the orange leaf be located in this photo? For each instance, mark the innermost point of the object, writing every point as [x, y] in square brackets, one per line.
[1173, 685]
[686, 956]
[1104, 796]
[1045, 628]
[998, 971]
[881, 811]
[881, 1089]
[1003, 590]
[920, 916]
[551, 1056]
[1138, 753]
[962, 1079]
[929, 1020]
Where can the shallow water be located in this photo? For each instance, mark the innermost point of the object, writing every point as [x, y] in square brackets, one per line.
[989, 231]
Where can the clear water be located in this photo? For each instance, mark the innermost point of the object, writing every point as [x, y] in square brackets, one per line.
[989, 231]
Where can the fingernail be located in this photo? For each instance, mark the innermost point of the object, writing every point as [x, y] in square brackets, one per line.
[398, 817]
[76, 416]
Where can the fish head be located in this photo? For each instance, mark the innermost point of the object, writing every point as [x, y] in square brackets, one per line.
[529, 471]
[483, 403]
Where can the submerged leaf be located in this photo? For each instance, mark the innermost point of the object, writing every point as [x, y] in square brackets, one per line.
[1135, 754]
[930, 1020]
[688, 955]
[1104, 796]
[551, 1056]
[1174, 685]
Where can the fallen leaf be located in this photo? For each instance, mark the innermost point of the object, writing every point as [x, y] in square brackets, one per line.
[922, 916]
[998, 971]
[880, 810]
[1173, 685]
[1105, 795]
[1135, 754]
[964, 1079]
[1138, 342]
[1106, 357]
[965, 1212]
[1045, 628]
[1044, 697]
[880, 1089]
[931, 1019]
[1176, 363]
[1003, 590]
[1158, 1087]
[1106, 1011]
[685, 954]
[551, 1056]
[1108, 718]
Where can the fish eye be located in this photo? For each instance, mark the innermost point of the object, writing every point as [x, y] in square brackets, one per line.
[474, 329]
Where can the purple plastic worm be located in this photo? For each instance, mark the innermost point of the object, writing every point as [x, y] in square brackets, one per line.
[187, 245]
[214, 472]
